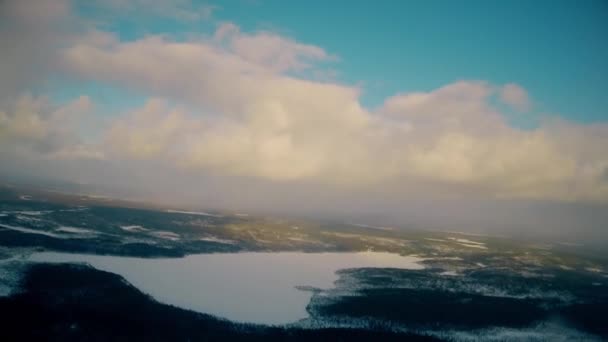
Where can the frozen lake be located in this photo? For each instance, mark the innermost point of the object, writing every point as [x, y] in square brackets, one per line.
[246, 287]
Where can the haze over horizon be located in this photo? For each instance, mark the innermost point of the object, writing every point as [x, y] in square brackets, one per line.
[421, 112]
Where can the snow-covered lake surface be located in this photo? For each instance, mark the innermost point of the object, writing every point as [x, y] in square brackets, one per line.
[246, 287]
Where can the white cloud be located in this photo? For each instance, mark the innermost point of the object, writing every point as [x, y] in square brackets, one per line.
[151, 131]
[33, 127]
[231, 105]
[457, 137]
[29, 33]
[515, 96]
[269, 49]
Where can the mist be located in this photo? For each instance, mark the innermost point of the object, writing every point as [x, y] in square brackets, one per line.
[162, 185]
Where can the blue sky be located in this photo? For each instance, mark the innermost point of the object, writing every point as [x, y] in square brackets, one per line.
[557, 50]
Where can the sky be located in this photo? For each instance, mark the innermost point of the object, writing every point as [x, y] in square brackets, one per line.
[479, 115]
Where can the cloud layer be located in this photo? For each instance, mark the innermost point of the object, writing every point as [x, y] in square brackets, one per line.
[242, 104]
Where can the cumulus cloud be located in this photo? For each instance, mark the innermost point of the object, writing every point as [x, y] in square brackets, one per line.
[229, 103]
[29, 33]
[269, 49]
[33, 127]
[149, 132]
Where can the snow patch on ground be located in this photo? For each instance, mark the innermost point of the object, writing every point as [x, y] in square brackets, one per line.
[134, 228]
[74, 230]
[469, 243]
[27, 218]
[166, 235]
[473, 246]
[299, 239]
[31, 212]
[30, 231]
[541, 332]
[446, 258]
[436, 240]
[218, 240]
